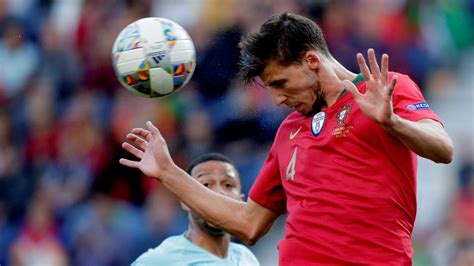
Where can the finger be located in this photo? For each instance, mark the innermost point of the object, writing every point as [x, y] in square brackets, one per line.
[363, 67]
[154, 130]
[137, 141]
[351, 88]
[374, 66]
[132, 149]
[384, 73]
[391, 88]
[129, 163]
[142, 133]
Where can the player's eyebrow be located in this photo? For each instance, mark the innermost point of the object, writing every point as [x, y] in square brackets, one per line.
[209, 173]
[202, 174]
[278, 83]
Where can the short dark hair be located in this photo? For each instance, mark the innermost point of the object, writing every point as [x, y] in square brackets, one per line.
[284, 37]
[212, 156]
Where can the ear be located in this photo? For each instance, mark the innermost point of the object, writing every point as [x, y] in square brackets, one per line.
[312, 58]
[184, 206]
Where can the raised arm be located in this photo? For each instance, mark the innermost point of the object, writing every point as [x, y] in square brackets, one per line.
[426, 137]
[247, 221]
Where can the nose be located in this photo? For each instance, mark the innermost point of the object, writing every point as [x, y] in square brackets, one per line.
[278, 98]
[218, 189]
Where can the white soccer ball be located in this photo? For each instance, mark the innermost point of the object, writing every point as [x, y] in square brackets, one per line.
[153, 57]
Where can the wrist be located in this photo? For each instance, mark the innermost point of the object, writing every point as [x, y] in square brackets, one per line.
[391, 123]
[170, 173]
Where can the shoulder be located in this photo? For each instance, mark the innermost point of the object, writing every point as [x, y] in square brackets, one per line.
[167, 252]
[406, 89]
[404, 82]
[289, 122]
[242, 254]
[293, 117]
[153, 257]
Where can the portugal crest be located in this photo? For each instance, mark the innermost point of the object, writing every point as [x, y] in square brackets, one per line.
[317, 123]
[342, 128]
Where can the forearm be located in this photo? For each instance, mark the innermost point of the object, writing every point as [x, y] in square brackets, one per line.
[427, 138]
[245, 220]
[221, 211]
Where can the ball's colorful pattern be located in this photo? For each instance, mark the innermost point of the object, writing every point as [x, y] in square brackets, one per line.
[153, 57]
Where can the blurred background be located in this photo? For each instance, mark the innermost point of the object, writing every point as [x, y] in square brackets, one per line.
[64, 198]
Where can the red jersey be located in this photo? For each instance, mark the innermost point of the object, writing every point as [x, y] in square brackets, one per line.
[348, 186]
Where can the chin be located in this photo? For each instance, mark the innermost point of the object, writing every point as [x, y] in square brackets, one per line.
[213, 231]
[206, 227]
[307, 112]
[316, 108]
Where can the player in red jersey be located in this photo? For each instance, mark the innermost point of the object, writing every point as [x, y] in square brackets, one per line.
[343, 166]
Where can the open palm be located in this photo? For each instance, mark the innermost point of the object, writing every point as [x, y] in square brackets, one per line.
[376, 102]
[150, 148]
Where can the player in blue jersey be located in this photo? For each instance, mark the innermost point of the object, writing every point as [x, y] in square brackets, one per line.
[203, 243]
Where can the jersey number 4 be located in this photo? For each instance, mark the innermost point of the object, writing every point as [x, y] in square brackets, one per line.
[290, 169]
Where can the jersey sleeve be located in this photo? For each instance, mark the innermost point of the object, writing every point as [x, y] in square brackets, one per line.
[268, 190]
[408, 101]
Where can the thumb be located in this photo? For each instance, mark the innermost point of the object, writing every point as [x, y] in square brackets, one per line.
[154, 130]
[391, 88]
[351, 88]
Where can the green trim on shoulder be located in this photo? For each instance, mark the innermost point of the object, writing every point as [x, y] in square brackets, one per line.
[358, 79]
[342, 93]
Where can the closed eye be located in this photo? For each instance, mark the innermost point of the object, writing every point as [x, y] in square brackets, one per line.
[279, 83]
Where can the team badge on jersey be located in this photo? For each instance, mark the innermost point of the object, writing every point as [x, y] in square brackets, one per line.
[317, 123]
[342, 128]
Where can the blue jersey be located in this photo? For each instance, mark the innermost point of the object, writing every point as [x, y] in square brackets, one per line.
[178, 250]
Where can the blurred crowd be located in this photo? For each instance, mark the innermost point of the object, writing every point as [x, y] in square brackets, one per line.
[65, 199]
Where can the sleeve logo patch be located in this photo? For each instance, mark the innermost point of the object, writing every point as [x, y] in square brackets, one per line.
[418, 106]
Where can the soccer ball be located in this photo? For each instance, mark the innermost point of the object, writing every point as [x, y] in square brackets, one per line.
[153, 57]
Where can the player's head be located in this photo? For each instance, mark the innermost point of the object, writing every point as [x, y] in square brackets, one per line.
[218, 173]
[284, 55]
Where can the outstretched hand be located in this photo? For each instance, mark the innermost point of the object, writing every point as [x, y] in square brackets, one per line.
[150, 148]
[376, 102]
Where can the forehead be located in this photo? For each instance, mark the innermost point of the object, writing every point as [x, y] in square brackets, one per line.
[271, 69]
[215, 167]
[275, 71]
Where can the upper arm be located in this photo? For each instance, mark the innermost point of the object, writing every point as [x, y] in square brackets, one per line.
[437, 128]
[409, 102]
[268, 190]
[260, 218]
[432, 123]
[424, 134]
[432, 141]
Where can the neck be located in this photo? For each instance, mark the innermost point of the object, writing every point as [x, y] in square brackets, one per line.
[336, 73]
[215, 245]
